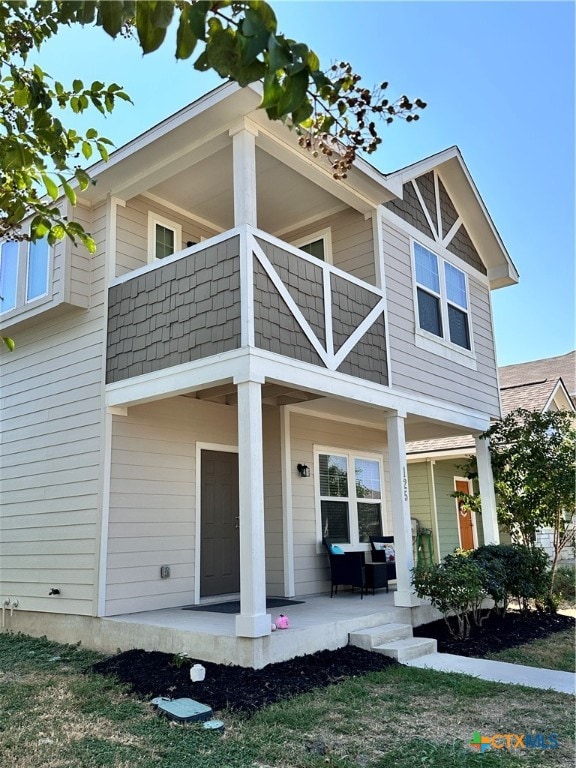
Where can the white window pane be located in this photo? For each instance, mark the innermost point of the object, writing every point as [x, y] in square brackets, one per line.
[426, 268]
[165, 241]
[455, 285]
[333, 476]
[37, 283]
[8, 275]
[367, 479]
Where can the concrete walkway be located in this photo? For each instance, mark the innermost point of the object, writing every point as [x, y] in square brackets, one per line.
[498, 671]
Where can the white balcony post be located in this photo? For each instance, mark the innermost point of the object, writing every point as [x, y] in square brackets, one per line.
[244, 169]
[253, 621]
[487, 495]
[402, 528]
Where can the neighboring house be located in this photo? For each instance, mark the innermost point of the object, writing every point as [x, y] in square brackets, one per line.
[244, 313]
[434, 468]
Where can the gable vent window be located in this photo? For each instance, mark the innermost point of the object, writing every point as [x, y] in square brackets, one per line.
[318, 244]
[442, 298]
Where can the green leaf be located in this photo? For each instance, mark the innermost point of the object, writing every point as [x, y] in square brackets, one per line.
[223, 51]
[265, 14]
[77, 86]
[91, 133]
[111, 16]
[68, 191]
[150, 34]
[197, 19]
[9, 343]
[272, 91]
[51, 186]
[253, 37]
[82, 178]
[294, 89]
[186, 39]
[278, 56]
[20, 97]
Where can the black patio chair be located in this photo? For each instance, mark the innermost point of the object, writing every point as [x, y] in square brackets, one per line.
[347, 568]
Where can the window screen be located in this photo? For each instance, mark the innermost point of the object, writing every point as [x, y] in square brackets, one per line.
[8, 275]
[429, 312]
[315, 248]
[459, 331]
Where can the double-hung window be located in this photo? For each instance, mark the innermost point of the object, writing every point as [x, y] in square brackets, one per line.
[24, 270]
[442, 298]
[350, 497]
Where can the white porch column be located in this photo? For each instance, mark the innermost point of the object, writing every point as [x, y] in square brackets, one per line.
[404, 595]
[253, 621]
[487, 495]
[244, 166]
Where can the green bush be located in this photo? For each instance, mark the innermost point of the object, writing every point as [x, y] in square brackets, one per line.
[455, 587]
[514, 571]
[564, 589]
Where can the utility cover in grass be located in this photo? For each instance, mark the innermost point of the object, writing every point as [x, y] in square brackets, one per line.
[183, 710]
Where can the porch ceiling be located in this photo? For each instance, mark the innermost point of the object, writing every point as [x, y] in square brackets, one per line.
[285, 199]
[272, 394]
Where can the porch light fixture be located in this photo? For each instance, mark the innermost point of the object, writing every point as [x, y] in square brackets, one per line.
[303, 470]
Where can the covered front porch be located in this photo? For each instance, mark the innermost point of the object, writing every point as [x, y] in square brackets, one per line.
[318, 622]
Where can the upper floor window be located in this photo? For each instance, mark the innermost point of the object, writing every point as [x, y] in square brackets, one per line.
[442, 298]
[164, 237]
[350, 497]
[319, 245]
[24, 269]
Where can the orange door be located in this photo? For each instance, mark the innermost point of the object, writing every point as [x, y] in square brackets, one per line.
[465, 518]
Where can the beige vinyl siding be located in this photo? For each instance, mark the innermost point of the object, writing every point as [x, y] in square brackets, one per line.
[51, 454]
[311, 572]
[153, 492]
[132, 232]
[352, 242]
[422, 372]
[421, 499]
[78, 284]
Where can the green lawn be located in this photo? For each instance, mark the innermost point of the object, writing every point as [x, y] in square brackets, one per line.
[554, 652]
[52, 715]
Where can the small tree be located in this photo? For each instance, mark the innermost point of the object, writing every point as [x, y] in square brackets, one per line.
[533, 462]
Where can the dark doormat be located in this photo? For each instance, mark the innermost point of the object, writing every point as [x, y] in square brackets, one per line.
[234, 606]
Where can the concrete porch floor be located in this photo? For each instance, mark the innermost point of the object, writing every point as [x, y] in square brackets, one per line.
[320, 622]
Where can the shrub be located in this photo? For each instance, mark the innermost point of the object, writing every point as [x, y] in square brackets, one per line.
[455, 587]
[514, 571]
[564, 589]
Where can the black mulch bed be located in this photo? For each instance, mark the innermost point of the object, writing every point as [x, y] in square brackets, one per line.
[497, 634]
[153, 673]
[150, 674]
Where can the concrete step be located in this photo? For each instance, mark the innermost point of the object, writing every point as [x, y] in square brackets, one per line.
[383, 633]
[408, 648]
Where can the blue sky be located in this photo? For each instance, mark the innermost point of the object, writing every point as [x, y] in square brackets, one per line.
[499, 81]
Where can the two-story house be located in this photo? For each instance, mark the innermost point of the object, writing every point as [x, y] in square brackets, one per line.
[248, 329]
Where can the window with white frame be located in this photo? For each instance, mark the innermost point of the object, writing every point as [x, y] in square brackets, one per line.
[318, 244]
[24, 270]
[164, 237]
[442, 297]
[350, 489]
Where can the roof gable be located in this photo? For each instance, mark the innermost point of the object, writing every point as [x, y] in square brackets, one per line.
[440, 199]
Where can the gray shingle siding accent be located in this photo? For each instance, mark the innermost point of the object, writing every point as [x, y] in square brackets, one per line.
[183, 311]
[275, 328]
[304, 283]
[426, 186]
[350, 305]
[368, 359]
[410, 210]
[448, 212]
[462, 246]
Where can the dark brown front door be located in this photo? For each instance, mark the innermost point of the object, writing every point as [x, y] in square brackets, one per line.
[465, 520]
[220, 545]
